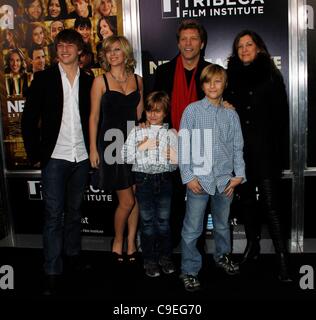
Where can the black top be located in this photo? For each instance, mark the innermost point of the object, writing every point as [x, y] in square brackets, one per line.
[165, 77]
[116, 110]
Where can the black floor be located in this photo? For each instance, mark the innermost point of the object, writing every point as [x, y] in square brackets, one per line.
[112, 287]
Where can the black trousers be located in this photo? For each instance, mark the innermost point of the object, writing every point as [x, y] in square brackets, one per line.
[269, 199]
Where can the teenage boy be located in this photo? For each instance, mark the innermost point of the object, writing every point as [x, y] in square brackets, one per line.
[55, 125]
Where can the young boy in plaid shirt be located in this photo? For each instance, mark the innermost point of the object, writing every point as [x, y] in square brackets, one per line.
[153, 152]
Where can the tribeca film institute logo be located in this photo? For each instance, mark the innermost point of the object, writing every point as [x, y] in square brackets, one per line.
[6, 277]
[210, 8]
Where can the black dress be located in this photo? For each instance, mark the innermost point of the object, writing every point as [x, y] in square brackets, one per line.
[116, 110]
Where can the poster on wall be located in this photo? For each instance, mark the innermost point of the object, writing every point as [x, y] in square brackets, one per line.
[28, 29]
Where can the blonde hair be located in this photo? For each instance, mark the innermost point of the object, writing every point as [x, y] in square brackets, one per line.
[130, 62]
[209, 71]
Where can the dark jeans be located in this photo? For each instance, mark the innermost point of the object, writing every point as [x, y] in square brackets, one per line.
[63, 185]
[153, 193]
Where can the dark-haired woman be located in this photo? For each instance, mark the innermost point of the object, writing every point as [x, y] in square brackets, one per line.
[256, 89]
[56, 10]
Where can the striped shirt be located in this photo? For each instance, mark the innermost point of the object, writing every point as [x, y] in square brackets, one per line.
[210, 146]
[154, 160]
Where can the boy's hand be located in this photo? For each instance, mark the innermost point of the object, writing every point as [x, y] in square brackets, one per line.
[170, 154]
[195, 186]
[229, 190]
[147, 144]
[144, 125]
[228, 105]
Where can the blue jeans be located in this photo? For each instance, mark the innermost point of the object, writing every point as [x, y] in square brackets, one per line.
[63, 184]
[153, 193]
[191, 260]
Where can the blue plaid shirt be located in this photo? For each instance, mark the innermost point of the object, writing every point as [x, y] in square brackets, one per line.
[210, 146]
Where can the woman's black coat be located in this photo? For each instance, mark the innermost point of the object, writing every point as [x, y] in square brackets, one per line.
[258, 93]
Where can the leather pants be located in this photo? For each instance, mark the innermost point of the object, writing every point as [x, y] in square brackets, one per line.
[252, 221]
[251, 214]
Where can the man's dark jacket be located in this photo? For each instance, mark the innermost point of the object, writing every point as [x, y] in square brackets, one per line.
[165, 76]
[43, 110]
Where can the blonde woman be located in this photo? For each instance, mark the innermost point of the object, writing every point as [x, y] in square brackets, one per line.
[116, 98]
[105, 8]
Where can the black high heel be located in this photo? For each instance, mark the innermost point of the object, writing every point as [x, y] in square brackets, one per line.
[283, 275]
[132, 258]
[116, 257]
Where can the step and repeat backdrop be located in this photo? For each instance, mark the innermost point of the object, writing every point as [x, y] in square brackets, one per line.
[28, 29]
[223, 20]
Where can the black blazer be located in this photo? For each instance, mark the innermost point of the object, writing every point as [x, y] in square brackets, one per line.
[165, 75]
[43, 109]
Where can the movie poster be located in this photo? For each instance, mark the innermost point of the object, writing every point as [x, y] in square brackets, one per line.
[28, 29]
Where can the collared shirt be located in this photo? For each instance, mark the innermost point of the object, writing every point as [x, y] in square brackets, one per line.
[70, 143]
[210, 146]
[155, 160]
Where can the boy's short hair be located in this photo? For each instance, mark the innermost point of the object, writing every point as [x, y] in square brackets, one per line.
[69, 36]
[209, 71]
[159, 98]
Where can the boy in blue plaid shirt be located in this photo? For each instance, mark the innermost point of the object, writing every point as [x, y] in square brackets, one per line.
[153, 152]
[211, 165]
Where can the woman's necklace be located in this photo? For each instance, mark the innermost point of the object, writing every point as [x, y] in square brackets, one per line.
[118, 80]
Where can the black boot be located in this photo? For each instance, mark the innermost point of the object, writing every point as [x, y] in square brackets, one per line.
[251, 222]
[252, 251]
[274, 223]
[283, 275]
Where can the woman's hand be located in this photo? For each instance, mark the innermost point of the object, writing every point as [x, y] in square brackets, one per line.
[229, 190]
[228, 105]
[194, 186]
[94, 159]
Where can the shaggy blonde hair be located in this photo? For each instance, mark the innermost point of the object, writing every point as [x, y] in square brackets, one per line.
[130, 62]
